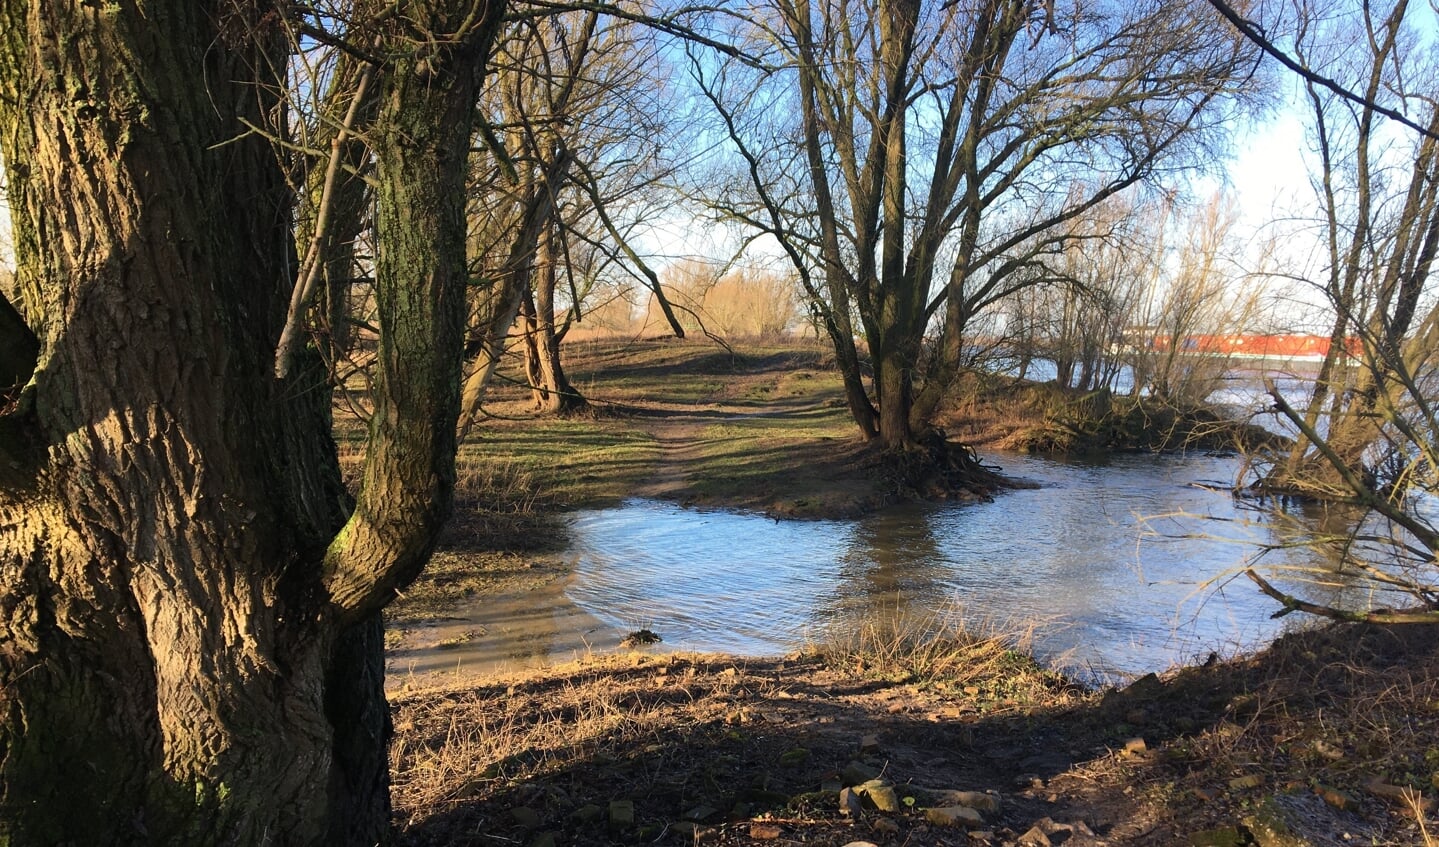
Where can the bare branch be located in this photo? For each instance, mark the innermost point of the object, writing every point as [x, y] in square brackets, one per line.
[1380, 616]
[309, 274]
[1255, 33]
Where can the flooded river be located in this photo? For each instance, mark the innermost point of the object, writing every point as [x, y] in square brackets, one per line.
[1128, 563]
[1122, 559]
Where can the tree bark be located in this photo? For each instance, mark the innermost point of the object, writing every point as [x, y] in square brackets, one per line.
[554, 393]
[181, 659]
[162, 677]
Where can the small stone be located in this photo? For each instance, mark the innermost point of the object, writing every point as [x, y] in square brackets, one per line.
[861, 844]
[622, 814]
[886, 826]
[849, 803]
[701, 813]
[684, 828]
[544, 839]
[953, 816]
[1035, 837]
[1148, 685]
[588, 813]
[1242, 783]
[640, 638]
[764, 831]
[1336, 798]
[869, 744]
[977, 800]
[1328, 751]
[1135, 746]
[1399, 794]
[856, 773]
[883, 797]
[525, 817]
[896, 708]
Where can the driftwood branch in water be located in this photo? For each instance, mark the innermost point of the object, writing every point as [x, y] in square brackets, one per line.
[1380, 616]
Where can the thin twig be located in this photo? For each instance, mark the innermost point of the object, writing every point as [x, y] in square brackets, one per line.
[309, 274]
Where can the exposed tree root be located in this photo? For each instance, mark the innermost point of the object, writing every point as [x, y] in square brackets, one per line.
[935, 468]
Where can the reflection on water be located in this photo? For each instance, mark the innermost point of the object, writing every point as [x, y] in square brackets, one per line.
[1123, 594]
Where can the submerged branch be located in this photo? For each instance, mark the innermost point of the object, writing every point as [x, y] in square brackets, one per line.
[1380, 616]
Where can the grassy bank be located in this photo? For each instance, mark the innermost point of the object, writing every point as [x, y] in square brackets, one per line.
[885, 730]
[1004, 413]
[1326, 738]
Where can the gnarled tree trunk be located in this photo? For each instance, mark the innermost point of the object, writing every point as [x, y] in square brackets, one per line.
[189, 643]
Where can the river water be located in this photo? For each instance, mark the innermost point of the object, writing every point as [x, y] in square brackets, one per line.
[1127, 562]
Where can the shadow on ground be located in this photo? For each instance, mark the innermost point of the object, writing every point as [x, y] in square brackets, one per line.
[1318, 738]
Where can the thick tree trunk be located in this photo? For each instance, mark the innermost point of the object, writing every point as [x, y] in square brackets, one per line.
[896, 397]
[161, 669]
[189, 646]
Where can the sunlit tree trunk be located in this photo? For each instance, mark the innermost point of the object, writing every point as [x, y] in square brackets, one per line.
[553, 392]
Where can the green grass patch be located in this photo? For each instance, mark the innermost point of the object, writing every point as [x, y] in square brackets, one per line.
[572, 462]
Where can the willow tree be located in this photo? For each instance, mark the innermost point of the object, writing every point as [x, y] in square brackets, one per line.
[189, 643]
[580, 100]
[936, 150]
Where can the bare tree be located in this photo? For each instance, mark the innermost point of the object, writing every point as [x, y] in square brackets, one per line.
[1368, 434]
[580, 144]
[1197, 296]
[930, 165]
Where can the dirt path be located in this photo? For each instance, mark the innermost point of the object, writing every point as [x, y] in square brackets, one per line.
[679, 435]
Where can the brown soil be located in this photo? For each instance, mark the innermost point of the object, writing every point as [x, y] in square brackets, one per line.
[1316, 739]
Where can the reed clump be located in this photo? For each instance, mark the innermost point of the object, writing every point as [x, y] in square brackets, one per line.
[945, 649]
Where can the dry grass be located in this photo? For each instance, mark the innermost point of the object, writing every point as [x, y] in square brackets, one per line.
[1011, 414]
[452, 748]
[496, 500]
[753, 740]
[1420, 810]
[1330, 730]
[984, 657]
[515, 742]
[1274, 740]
